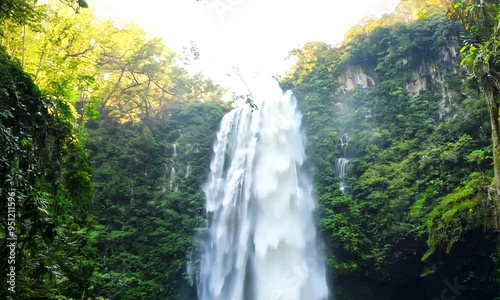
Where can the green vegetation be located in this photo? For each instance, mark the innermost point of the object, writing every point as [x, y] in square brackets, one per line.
[86, 150]
[44, 168]
[419, 203]
[145, 230]
[90, 113]
[481, 59]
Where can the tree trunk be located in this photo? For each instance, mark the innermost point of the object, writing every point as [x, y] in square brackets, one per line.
[495, 136]
[23, 45]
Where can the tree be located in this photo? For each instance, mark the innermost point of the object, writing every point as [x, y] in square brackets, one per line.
[19, 11]
[481, 53]
[22, 11]
[102, 68]
[44, 165]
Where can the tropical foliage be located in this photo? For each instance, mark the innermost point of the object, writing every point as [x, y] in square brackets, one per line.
[105, 141]
[82, 96]
[418, 188]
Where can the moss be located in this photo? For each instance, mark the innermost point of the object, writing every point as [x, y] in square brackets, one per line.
[416, 209]
[455, 214]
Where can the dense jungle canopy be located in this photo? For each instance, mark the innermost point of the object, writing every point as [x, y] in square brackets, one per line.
[106, 140]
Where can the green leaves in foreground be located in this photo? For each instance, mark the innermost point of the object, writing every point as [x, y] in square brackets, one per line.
[465, 209]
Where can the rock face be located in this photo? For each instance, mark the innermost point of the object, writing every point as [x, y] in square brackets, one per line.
[419, 80]
[428, 75]
[355, 77]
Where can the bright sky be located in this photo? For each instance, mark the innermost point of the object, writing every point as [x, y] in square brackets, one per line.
[253, 35]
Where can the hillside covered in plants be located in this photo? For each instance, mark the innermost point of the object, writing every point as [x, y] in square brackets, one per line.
[106, 141]
[395, 109]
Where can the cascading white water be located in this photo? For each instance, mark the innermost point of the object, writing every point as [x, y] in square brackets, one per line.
[172, 179]
[261, 239]
[163, 189]
[343, 163]
[344, 140]
[188, 170]
[174, 152]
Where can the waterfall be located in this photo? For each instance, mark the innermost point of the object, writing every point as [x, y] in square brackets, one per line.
[445, 96]
[342, 163]
[188, 170]
[172, 180]
[344, 141]
[173, 186]
[174, 153]
[260, 243]
[163, 189]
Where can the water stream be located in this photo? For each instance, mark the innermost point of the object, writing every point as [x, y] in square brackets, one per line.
[261, 238]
